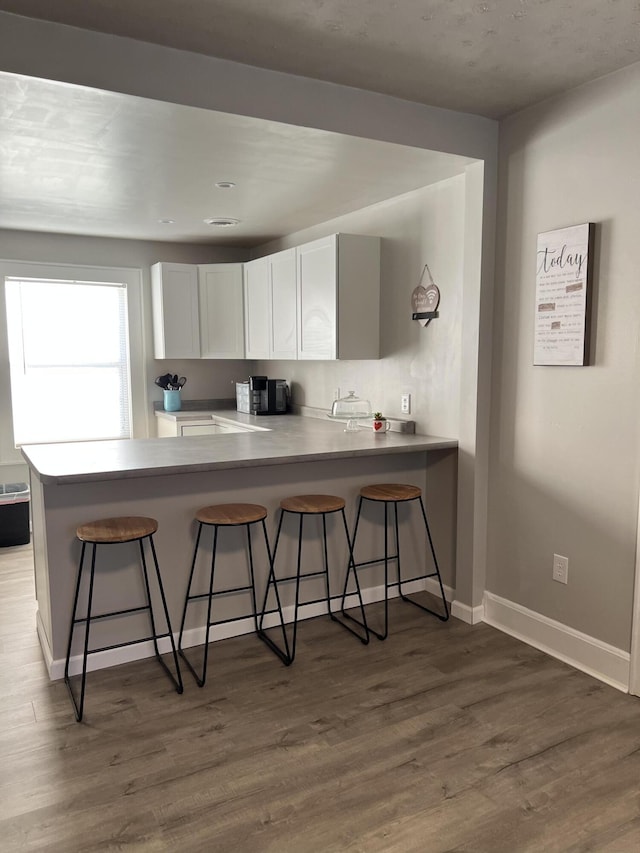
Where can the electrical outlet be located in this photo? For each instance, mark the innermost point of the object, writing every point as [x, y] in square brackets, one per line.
[560, 568]
[405, 404]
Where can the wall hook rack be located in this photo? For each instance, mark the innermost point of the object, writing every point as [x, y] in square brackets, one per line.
[425, 300]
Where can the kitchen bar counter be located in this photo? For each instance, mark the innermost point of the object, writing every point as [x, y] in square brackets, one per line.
[291, 438]
[169, 479]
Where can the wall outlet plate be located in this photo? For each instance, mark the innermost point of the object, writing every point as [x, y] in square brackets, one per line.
[405, 404]
[560, 568]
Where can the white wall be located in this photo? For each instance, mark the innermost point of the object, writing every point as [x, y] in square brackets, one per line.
[565, 458]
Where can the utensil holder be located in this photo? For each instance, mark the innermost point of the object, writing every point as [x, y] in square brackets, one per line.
[172, 401]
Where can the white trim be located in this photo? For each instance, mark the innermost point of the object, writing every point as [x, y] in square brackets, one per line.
[634, 664]
[46, 648]
[470, 615]
[588, 654]
[195, 636]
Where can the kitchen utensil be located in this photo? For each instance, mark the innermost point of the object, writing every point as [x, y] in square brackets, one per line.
[163, 381]
[181, 381]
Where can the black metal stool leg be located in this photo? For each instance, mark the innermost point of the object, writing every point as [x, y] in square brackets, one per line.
[202, 680]
[147, 590]
[351, 566]
[252, 578]
[352, 545]
[443, 618]
[325, 556]
[177, 679]
[74, 613]
[78, 706]
[297, 601]
[188, 595]
[402, 595]
[284, 655]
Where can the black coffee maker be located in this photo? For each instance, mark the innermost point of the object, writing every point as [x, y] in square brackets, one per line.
[268, 396]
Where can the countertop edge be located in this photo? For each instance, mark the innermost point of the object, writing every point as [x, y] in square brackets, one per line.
[429, 444]
[288, 439]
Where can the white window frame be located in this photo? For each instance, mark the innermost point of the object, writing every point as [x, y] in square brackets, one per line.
[130, 277]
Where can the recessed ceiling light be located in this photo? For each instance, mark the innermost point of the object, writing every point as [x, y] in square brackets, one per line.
[225, 185]
[166, 221]
[222, 222]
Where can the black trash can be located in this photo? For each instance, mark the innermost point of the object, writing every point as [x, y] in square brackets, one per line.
[14, 514]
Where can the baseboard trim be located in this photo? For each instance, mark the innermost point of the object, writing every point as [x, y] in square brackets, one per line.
[196, 636]
[586, 653]
[470, 615]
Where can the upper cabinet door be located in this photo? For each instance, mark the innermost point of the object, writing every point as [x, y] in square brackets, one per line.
[317, 299]
[221, 310]
[256, 308]
[358, 296]
[283, 308]
[174, 295]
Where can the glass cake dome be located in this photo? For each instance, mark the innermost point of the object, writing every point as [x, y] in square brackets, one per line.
[350, 407]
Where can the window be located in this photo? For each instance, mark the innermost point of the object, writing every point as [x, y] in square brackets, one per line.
[68, 344]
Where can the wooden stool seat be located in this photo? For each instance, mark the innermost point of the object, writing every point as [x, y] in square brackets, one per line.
[127, 528]
[309, 504]
[390, 492]
[231, 514]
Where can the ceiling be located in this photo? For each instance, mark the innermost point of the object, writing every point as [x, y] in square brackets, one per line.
[490, 57]
[83, 161]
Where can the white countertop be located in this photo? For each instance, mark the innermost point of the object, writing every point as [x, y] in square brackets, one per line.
[291, 438]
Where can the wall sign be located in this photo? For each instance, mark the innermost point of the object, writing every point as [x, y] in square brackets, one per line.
[425, 300]
[564, 266]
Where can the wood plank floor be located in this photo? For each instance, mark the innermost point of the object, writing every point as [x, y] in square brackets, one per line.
[446, 737]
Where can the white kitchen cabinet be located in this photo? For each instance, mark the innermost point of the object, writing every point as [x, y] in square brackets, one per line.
[201, 424]
[176, 329]
[207, 428]
[221, 311]
[270, 306]
[338, 279]
[318, 301]
[283, 307]
[257, 320]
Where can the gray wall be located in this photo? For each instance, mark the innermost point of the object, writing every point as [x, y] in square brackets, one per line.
[564, 459]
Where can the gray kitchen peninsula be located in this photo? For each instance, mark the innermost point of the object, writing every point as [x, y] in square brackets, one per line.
[170, 478]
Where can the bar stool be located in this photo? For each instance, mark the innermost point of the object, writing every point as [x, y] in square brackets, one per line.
[111, 531]
[314, 505]
[228, 516]
[394, 493]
